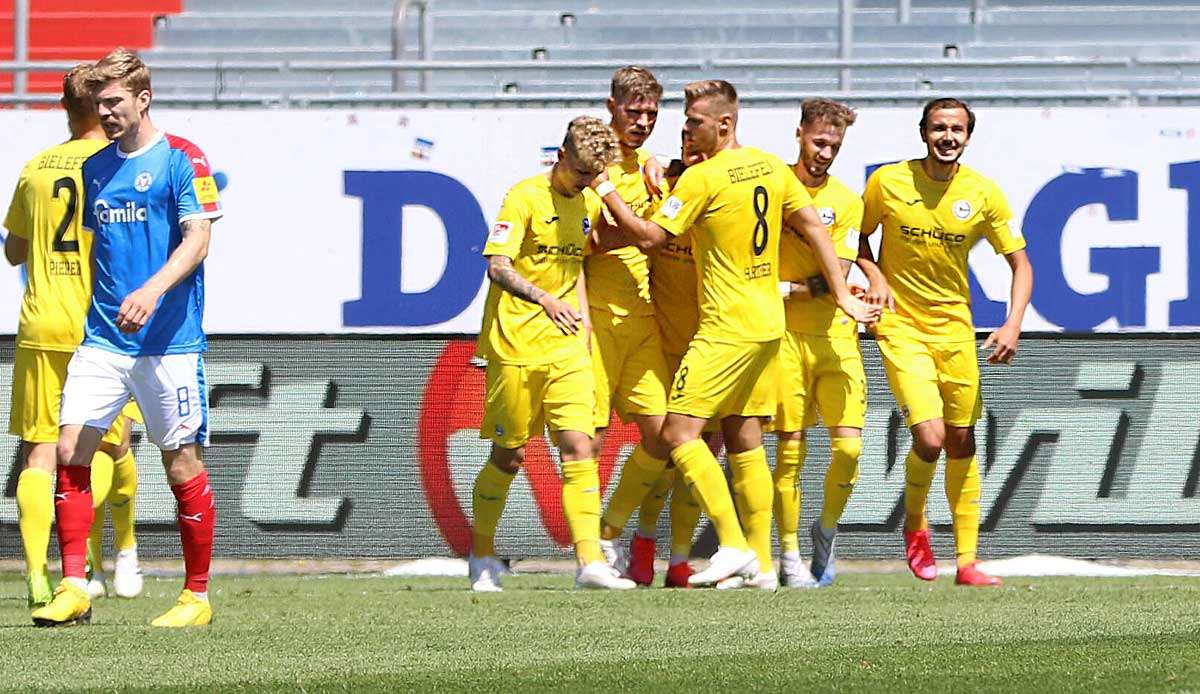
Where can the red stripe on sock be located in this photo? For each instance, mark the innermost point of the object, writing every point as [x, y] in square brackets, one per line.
[197, 517]
[73, 515]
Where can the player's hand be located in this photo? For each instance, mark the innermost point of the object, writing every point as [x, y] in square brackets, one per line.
[136, 310]
[1005, 339]
[600, 178]
[563, 314]
[653, 175]
[879, 294]
[858, 309]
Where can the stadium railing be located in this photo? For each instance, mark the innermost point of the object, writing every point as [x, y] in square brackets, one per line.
[219, 95]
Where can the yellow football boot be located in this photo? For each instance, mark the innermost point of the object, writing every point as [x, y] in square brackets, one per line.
[70, 605]
[189, 611]
[40, 592]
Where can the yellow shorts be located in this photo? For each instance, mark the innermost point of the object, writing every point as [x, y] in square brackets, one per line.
[820, 374]
[933, 380]
[38, 377]
[522, 399]
[631, 373]
[719, 379]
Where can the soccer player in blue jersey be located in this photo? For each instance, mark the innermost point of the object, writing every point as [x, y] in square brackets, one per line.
[150, 201]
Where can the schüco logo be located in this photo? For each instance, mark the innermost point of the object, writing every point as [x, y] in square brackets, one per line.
[131, 212]
[935, 234]
[451, 410]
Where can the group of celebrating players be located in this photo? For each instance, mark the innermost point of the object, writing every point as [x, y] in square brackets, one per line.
[112, 227]
[704, 299]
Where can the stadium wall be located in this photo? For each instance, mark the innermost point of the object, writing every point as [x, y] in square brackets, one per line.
[372, 221]
[367, 446]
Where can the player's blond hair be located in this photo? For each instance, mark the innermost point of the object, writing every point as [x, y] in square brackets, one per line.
[124, 65]
[711, 89]
[76, 95]
[822, 109]
[592, 143]
[634, 83]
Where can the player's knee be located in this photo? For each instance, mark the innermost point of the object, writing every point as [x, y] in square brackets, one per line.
[960, 443]
[509, 460]
[67, 451]
[928, 443]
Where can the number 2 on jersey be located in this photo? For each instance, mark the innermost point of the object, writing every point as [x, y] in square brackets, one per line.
[760, 213]
[61, 245]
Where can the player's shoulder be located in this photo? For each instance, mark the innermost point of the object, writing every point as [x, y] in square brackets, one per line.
[531, 186]
[841, 191]
[897, 171]
[975, 179]
[189, 152]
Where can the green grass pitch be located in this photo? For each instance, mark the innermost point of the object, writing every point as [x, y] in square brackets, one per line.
[870, 632]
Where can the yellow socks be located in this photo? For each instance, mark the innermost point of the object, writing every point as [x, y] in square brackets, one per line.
[581, 506]
[708, 485]
[35, 509]
[652, 505]
[638, 477]
[685, 515]
[487, 503]
[121, 500]
[789, 458]
[963, 489]
[102, 478]
[918, 475]
[752, 483]
[840, 479]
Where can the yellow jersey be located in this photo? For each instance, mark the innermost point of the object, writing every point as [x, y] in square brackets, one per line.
[47, 211]
[734, 205]
[929, 227]
[544, 233]
[618, 281]
[840, 209]
[674, 291]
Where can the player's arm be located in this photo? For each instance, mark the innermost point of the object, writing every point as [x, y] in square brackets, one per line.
[584, 308]
[1007, 239]
[812, 287]
[16, 242]
[137, 308]
[630, 229]
[502, 273]
[805, 220]
[878, 293]
[16, 249]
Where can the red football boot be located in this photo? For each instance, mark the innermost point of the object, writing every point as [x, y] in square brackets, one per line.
[641, 560]
[920, 554]
[970, 575]
[678, 574]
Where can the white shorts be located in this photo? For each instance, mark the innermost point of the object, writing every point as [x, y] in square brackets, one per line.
[170, 389]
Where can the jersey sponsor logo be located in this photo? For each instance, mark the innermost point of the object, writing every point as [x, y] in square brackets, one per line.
[670, 209]
[500, 232]
[131, 212]
[572, 250]
[962, 209]
[827, 216]
[143, 182]
[206, 190]
[935, 234]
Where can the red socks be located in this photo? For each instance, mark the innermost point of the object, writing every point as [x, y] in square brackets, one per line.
[73, 514]
[197, 516]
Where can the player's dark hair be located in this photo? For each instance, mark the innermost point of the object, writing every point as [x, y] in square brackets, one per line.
[947, 103]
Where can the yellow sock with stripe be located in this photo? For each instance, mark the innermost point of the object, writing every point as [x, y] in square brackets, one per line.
[102, 479]
[653, 504]
[121, 501]
[685, 515]
[918, 475]
[581, 507]
[963, 489]
[35, 512]
[789, 459]
[487, 504]
[638, 477]
[840, 479]
[755, 494]
[708, 486]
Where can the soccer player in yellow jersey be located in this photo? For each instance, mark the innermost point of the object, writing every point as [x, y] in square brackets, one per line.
[734, 204]
[44, 233]
[535, 342]
[933, 210]
[820, 362]
[631, 374]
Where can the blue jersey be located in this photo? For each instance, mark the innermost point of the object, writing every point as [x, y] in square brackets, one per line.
[135, 204]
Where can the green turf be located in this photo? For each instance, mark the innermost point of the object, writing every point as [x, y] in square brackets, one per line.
[868, 633]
